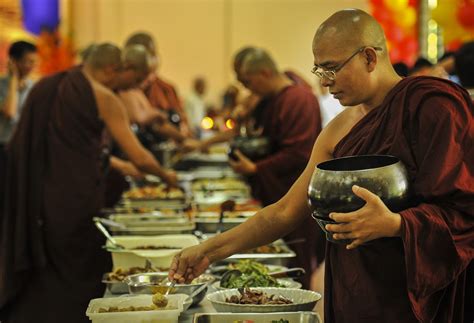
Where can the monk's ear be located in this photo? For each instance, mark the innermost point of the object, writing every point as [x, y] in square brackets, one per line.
[371, 58]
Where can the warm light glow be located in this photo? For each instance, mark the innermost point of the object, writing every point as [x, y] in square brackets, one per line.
[432, 49]
[230, 124]
[432, 4]
[207, 123]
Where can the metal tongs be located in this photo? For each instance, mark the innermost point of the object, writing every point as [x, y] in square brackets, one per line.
[100, 226]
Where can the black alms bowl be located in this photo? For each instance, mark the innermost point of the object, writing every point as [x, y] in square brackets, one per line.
[330, 189]
[253, 147]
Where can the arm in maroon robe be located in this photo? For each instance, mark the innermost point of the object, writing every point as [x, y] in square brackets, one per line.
[292, 123]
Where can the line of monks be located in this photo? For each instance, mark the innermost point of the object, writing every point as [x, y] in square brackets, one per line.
[417, 267]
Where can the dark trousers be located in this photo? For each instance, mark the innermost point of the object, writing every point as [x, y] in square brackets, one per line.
[3, 173]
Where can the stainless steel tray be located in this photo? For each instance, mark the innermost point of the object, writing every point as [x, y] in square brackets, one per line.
[298, 317]
[154, 230]
[288, 253]
[155, 204]
[210, 225]
[114, 286]
[138, 220]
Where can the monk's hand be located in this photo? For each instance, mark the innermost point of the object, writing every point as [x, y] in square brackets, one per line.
[129, 169]
[242, 165]
[372, 221]
[188, 264]
[189, 145]
[171, 178]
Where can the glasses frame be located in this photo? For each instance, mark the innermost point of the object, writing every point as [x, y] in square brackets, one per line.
[331, 74]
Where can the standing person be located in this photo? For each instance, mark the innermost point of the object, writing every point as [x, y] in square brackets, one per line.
[289, 116]
[195, 106]
[51, 256]
[464, 66]
[161, 94]
[416, 267]
[14, 89]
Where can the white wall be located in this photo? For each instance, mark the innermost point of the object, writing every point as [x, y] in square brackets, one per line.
[200, 37]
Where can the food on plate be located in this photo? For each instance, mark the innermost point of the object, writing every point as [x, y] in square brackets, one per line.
[154, 192]
[254, 274]
[256, 297]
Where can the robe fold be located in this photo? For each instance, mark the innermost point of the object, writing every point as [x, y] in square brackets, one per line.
[291, 121]
[421, 277]
[51, 257]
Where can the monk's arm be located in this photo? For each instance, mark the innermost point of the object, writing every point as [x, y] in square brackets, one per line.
[115, 117]
[274, 221]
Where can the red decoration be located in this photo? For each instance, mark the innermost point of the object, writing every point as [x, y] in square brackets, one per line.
[465, 14]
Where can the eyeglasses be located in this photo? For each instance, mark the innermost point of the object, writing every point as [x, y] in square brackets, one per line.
[331, 74]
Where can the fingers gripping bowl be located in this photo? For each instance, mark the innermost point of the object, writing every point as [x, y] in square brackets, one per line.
[330, 188]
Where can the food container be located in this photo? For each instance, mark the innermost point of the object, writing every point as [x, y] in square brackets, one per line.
[154, 204]
[303, 300]
[125, 258]
[151, 225]
[300, 317]
[156, 316]
[285, 283]
[114, 286]
[149, 283]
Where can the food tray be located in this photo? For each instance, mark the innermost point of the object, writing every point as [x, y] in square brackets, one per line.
[210, 225]
[303, 300]
[153, 231]
[300, 317]
[157, 316]
[114, 286]
[155, 204]
[287, 253]
[139, 220]
[158, 258]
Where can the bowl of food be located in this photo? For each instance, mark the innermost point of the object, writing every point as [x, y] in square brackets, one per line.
[150, 283]
[330, 188]
[253, 147]
[263, 300]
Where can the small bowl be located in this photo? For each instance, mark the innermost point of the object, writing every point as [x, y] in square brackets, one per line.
[150, 283]
[304, 300]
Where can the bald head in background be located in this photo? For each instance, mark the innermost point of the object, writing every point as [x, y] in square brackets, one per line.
[103, 55]
[144, 39]
[257, 60]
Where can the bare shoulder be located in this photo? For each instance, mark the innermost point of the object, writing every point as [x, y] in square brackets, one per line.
[339, 127]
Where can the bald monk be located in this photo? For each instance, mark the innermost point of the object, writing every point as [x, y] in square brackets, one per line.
[161, 94]
[51, 256]
[414, 269]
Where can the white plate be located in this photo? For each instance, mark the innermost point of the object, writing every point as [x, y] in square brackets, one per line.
[304, 300]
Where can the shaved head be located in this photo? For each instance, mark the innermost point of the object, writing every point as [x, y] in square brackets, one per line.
[137, 57]
[257, 60]
[104, 55]
[348, 30]
[144, 39]
[240, 56]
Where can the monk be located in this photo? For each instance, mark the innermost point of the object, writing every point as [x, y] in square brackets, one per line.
[415, 267]
[149, 101]
[161, 94]
[289, 117]
[51, 256]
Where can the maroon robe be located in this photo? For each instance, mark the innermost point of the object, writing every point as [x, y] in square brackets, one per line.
[291, 120]
[428, 123]
[51, 260]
